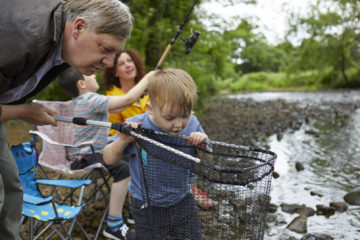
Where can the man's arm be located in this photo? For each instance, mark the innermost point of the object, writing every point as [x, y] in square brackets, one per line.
[120, 103]
[35, 113]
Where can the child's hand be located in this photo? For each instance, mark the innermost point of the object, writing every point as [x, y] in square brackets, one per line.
[197, 138]
[127, 138]
[148, 76]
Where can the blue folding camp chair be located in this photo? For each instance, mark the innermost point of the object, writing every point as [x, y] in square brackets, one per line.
[54, 160]
[44, 212]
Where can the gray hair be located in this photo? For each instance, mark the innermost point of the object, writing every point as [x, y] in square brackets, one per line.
[102, 16]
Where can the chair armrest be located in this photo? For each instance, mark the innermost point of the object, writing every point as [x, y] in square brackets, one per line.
[36, 200]
[64, 183]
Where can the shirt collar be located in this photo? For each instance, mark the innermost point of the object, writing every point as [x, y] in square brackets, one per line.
[58, 60]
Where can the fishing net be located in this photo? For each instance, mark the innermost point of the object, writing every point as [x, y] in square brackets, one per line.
[229, 184]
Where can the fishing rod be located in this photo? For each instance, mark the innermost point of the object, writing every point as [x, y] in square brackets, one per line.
[189, 43]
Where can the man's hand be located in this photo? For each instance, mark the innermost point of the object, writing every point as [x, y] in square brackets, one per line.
[36, 113]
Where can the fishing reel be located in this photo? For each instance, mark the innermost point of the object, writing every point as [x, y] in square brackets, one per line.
[190, 42]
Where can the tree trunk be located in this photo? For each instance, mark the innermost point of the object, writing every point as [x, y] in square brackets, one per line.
[343, 66]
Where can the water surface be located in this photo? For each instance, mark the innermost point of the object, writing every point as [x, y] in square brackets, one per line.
[330, 153]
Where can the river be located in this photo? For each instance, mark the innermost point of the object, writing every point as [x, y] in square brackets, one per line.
[331, 159]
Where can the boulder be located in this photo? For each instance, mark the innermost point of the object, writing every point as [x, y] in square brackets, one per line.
[339, 206]
[298, 224]
[317, 236]
[353, 198]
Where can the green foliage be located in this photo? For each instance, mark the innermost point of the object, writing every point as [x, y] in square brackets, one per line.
[332, 48]
[234, 57]
[259, 56]
[52, 92]
[252, 81]
[303, 79]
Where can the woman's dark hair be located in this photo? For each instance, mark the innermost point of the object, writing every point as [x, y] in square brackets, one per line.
[109, 78]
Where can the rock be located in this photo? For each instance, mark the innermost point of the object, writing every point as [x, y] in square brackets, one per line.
[291, 208]
[307, 212]
[353, 198]
[279, 136]
[272, 208]
[270, 218]
[323, 210]
[339, 206]
[275, 174]
[297, 208]
[298, 224]
[280, 221]
[299, 166]
[312, 132]
[314, 193]
[317, 236]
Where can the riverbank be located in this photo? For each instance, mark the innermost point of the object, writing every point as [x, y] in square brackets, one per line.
[317, 157]
[247, 122]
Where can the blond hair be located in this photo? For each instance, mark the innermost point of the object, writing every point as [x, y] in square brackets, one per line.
[173, 88]
[102, 16]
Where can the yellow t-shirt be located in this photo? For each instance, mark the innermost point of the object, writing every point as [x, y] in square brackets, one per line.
[136, 108]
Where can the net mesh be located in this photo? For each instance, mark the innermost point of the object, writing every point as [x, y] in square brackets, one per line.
[229, 184]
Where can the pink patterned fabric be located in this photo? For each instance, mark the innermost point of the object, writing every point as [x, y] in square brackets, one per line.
[55, 140]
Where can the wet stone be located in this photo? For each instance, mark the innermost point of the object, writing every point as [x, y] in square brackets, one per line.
[291, 208]
[339, 206]
[275, 174]
[323, 210]
[317, 236]
[315, 193]
[272, 208]
[298, 224]
[307, 211]
[299, 166]
[353, 198]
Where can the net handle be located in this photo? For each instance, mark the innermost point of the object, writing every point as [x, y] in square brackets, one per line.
[124, 128]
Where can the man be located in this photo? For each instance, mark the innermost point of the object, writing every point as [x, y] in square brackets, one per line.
[39, 40]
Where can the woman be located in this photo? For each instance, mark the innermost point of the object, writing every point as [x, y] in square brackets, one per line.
[127, 71]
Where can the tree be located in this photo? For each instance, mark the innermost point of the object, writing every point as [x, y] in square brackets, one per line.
[333, 27]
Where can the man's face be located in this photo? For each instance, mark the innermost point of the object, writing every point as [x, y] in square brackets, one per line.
[88, 51]
[168, 119]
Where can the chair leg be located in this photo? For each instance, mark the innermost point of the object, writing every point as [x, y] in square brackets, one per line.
[31, 228]
[59, 233]
[44, 230]
[101, 223]
[83, 230]
[66, 232]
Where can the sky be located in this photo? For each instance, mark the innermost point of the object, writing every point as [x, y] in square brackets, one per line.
[270, 15]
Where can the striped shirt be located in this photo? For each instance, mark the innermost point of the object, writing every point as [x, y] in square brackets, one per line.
[91, 106]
